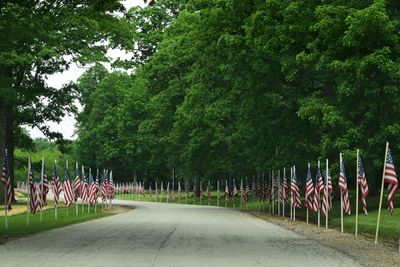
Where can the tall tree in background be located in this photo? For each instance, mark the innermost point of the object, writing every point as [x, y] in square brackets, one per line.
[40, 38]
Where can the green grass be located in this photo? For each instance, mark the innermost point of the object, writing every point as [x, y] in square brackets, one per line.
[17, 223]
[389, 224]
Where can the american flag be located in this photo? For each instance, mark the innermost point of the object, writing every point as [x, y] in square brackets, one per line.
[247, 191]
[173, 194]
[111, 187]
[77, 184]
[45, 189]
[104, 189]
[85, 189]
[284, 191]
[241, 191]
[94, 192]
[390, 177]
[6, 179]
[156, 192]
[194, 192]
[319, 186]
[150, 191]
[309, 190]
[201, 192]
[362, 181]
[295, 190]
[208, 193]
[218, 191]
[168, 196]
[254, 189]
[327, 197]
[56, 185]
[179, 191]
[235, 191]
[32, 189]
[68, 194]
[226, 191]
[343, 187]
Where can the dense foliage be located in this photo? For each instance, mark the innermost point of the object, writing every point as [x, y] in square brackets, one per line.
[237, 88]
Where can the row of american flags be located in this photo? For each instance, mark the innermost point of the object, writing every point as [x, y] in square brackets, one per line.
[80, 189]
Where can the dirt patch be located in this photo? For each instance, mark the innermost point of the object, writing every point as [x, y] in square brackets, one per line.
[363, 249]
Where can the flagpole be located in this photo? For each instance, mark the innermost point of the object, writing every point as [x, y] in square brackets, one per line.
[283, 202]
[356, 230]
[97, 194]
[83, 188]
[279, 191]
[55, 205]
[88, 204]
[76, 197]
[341, 199]
[41, 190]
[64, 190]
[273, 193]
[381, 196]
[291, 193]
[29, 193]
[327, 194]
[319, 203]
[294, 207]
[306, 194]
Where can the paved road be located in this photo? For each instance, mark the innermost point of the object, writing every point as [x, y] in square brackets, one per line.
[157, 234]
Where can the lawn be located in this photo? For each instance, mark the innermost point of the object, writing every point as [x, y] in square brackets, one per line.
[389, 225]
[65, 216]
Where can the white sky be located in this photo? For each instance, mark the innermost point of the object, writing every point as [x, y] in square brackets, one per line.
[67, 125]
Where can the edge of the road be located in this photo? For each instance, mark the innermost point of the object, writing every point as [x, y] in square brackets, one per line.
[362, 250]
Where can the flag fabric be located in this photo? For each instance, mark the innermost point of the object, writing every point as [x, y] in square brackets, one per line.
[235, 191]
[226, 191]
[56, 186]
[45, 189]
[362, 181]
[94, 192]
[218, 191]
[156, 192]
[208, 193]
[77, 185]
[327, 197]
[32, 192]
[179, 191]
[254, 189]
[162, 190]
[295, 191]
[390, 177]
[173, 194]
[201, 192]
[194, 192]
[241, 189]
[309, 191]
[6, 179]
[284, 191]
[246, 192]
[111, 187]
[168, 196]
[85, 189]
[343, 188]
[104, 190]
[319, 186]
[150, 191]
[68, 193]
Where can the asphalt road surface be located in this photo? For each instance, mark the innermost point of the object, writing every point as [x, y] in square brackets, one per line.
[160, 234]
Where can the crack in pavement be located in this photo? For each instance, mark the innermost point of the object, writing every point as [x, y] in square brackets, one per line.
[163, 245]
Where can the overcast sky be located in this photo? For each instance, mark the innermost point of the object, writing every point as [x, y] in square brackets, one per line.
[66, 126]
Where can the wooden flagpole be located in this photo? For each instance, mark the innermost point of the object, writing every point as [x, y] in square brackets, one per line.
[88, 203]
[356, 228]
[381, 196]
[319, 204]
[283, 202]
[76, 202]
[341, 199]
[327, 194]
[29, 192]
[41, 191]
